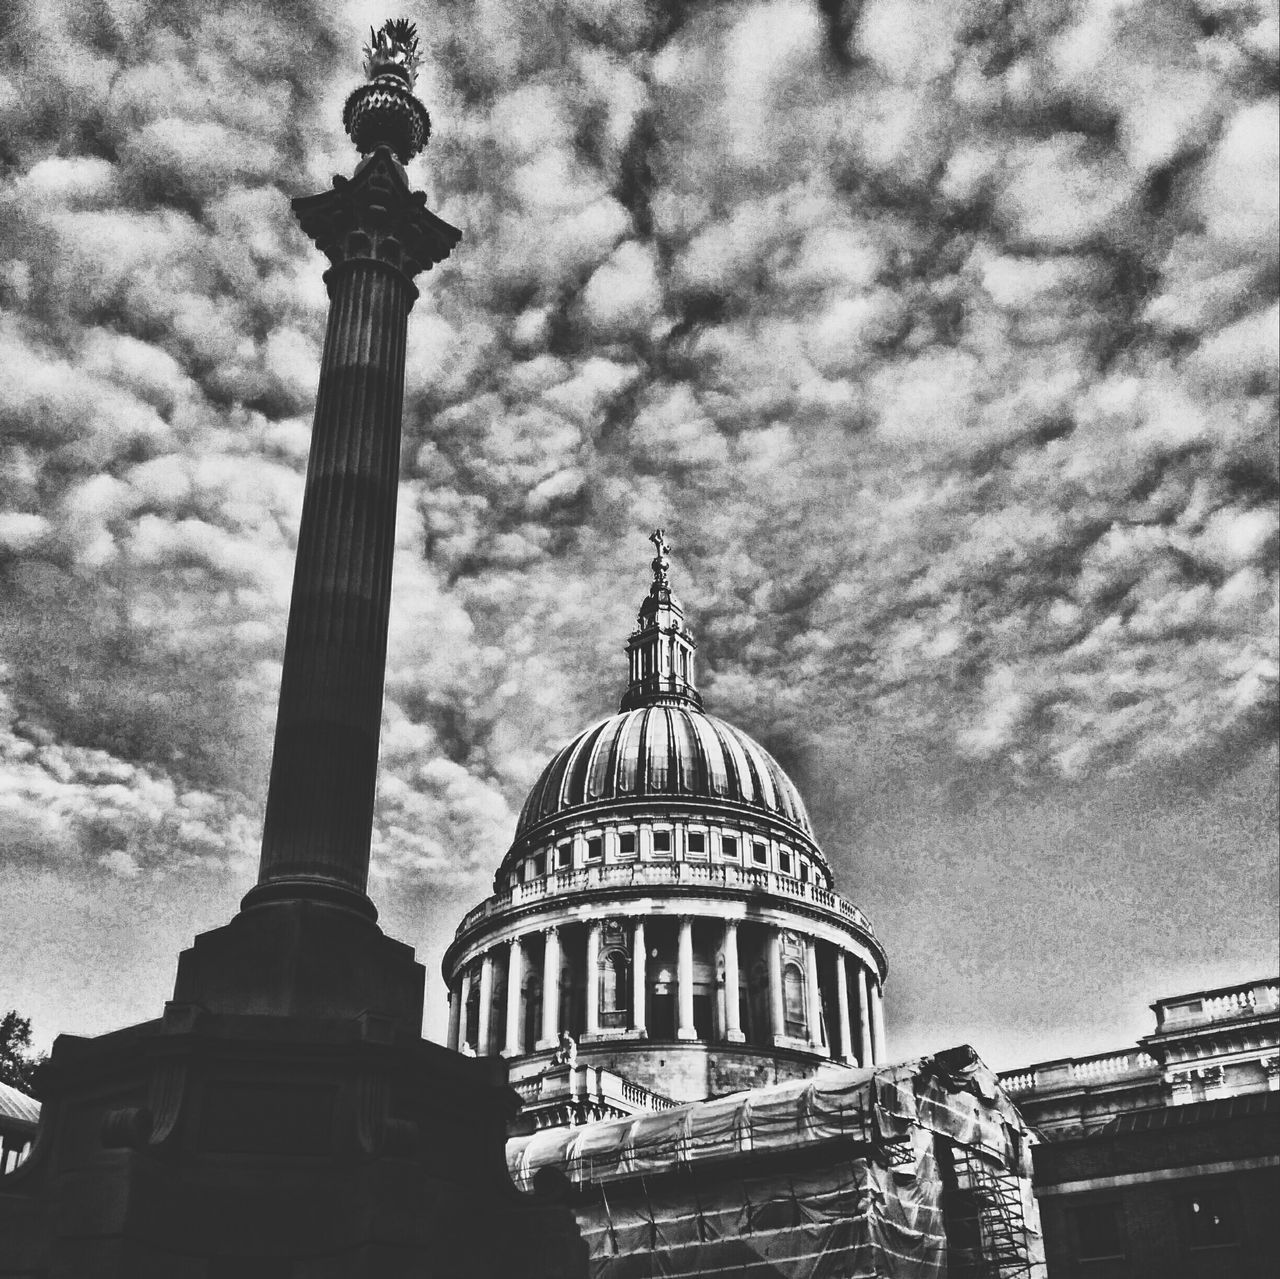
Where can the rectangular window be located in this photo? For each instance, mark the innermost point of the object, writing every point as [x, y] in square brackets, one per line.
[1098, 1231]
[697, 842]
[535, 867]
[784, 862]
[760, 854]
[1211, 1219]
[627, 844]
[729, 846]
[804, 872]
[564, 856]
[595, 848]
[661, 841]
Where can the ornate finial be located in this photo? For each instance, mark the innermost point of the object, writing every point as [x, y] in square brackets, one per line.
[660, 564]
[393, 51]
[661, 649]
[384, 112]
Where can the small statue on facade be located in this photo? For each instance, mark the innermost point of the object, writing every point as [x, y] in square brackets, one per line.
[567, 1053]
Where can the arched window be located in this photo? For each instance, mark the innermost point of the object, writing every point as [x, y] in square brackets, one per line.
[793, 1001]
[613, 988]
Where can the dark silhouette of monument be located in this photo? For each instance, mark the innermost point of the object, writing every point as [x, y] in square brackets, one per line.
[284, 1117]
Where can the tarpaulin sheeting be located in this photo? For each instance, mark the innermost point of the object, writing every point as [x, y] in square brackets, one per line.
[875, 1208]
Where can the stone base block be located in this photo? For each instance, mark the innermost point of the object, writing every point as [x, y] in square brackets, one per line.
[303, 959]
[207, 1147]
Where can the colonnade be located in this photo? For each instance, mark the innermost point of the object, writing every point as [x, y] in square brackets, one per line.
[857, 1036]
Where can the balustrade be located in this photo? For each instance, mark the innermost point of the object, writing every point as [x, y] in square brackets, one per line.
[645, 874]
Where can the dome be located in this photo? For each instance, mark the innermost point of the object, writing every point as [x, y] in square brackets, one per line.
[675, 752]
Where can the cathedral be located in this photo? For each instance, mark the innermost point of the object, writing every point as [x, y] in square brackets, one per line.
[693, 1018]
[664, 915]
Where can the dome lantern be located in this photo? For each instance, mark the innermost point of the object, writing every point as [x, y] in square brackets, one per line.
[661, 648]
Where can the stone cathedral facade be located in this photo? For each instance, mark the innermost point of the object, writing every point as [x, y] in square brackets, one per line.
[664, 926]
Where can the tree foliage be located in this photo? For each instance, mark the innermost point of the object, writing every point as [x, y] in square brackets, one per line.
[18, 1064]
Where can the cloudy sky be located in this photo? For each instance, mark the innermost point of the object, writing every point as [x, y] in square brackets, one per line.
[941, 337]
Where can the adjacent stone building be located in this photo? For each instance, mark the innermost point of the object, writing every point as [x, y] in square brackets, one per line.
[1162, 1160]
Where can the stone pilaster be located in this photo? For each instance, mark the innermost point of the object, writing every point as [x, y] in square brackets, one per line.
[685, 1028]
[515, 978]
[865, 1055]
[842, 1008]
[732, 997]
[639, 971]
[593, 978]
[484, 1030]
[550, 989]
[877, 1022]
[777, 1012]
[813, 999]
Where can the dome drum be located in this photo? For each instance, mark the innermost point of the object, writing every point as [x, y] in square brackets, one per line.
[642, 833]
[733, 992]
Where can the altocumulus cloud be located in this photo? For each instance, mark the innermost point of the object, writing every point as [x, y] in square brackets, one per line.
[943, 337]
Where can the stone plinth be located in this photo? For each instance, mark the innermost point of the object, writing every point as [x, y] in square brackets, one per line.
[206, 1147]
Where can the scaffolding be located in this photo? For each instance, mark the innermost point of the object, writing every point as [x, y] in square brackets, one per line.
[914, 1171]
[988, 1236]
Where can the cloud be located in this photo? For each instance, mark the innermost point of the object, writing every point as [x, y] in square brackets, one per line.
[942, 338]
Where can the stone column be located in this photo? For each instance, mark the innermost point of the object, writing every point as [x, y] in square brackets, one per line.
[593, 977]
[777, 1013]
[877, 1023]
[484, 1032]
[684, 980]
[455, 1016]
[865, 1055]
[842, 1007]
[732, 999]
[639, 970]
[319, 817]
[464, 998]
[814, 993]
[551, 990]
[515, 975]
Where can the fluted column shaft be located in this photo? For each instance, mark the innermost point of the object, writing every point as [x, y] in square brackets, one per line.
[813, 994]
[455, 1017]
[877, 1023]
[464, 998]
[550, 990]
[593, 978]
[732, 999]
[842, 1008]
[684, 980]
[484, 1032]
[515, 973]
[865, 1055]
[639, 969]
[777, 1013]
[320, 799]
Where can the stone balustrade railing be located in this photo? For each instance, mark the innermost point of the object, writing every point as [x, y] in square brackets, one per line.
[593, 1082]
[692, 874]
[1081, 1071]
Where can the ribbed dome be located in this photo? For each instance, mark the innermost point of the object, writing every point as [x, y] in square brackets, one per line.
[663, 751]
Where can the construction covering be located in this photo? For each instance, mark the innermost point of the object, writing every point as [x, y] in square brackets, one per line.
[914, 1171]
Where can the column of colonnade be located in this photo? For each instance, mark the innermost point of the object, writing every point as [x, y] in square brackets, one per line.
[859, 1031]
